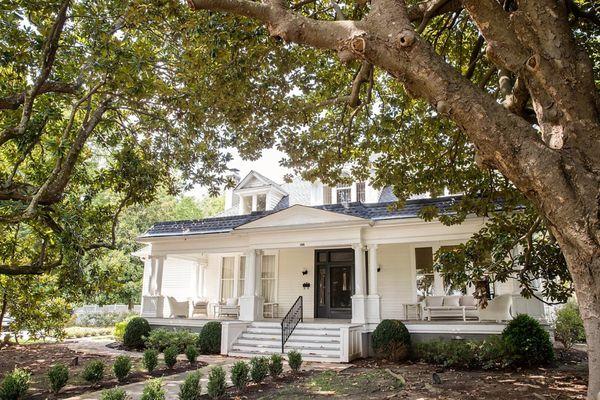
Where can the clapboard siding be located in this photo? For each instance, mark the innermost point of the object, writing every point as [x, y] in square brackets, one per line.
[394, 279]
[291, 264]
[177, 278]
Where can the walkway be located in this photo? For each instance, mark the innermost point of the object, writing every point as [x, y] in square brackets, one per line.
[170, 383]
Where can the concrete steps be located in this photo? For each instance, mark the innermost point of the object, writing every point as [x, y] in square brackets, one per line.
[316, 342]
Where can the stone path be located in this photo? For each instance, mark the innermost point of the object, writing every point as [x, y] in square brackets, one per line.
[170, 383]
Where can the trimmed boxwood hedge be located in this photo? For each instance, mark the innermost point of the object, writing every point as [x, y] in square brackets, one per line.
[209, 341]
[528, 342]
[391, 340]
[135, 333]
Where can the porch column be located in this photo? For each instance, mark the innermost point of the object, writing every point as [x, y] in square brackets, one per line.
[373, 299]
[438, 279]
[160, 264]
[251, 303]
[359, 298]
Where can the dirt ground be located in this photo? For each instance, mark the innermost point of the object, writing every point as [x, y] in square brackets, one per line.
[368, 379]
[37, 358]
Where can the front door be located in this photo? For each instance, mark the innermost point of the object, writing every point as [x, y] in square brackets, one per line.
[334, 270]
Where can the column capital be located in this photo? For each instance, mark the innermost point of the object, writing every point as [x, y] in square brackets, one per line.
[372, 246]
[358, 246]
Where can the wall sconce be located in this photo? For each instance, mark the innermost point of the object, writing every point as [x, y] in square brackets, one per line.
[305, 272]
[306, 285]
[378, 269]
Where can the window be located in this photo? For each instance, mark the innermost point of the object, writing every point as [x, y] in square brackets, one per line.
[261, 202]
[269, 278]
[360, 192]
[424, 266]
[247, 202]
[242, 278]
[449, 287]
[227, 278]
[343, 195]
[326, 195]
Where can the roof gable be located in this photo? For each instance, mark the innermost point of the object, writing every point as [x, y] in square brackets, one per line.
[256, 180]
[299, 215]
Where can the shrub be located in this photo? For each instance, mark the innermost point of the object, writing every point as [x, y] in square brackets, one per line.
[122, 367]
[209, 340]
[191, 352]
[113, 394]
[295, 360]
[15, 384]
[275, 366]
[150, 359]
[153, 390]
[119, 330]
[239, 375]
[160, 339]
[170, 355]
[135, 332]
[568, 327]
[58, 375]
[190, 388]
[452, 353]
[494, 354]
[391, 340]
[259, 369]
[216, 382]
[93, 371]
[528, 342]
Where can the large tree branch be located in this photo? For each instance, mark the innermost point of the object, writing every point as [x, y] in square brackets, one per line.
[14, 101]
[48, 58]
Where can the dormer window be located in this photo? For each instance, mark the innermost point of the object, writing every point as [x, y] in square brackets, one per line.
[344, 195]
[261, 202]
[257, 193]
[361, 193]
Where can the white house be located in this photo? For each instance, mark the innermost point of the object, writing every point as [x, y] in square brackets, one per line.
[344, 256]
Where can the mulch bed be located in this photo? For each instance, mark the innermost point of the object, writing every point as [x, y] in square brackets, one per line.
[370, 379]
[37, 358]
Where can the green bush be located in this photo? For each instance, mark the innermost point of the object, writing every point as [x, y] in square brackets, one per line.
[209, 341]
[161, 338]
[190, 388]
[450, 353]
[58, 375]
[259, 369]
[528, 342]
[122, 367]
[191, 352]
[568, 327]
[275, 366]
[93, 371]
[391, 340]
[494, 354]
[216, 382]
[153, 390]
[150, 359]
[170, 355]
[295, 360]
[239, 375]
[135, 332]
[119, 330]
[113, 394]
[15, 384]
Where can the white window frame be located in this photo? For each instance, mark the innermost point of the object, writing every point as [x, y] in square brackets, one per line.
[339, 188]
[221, 265]
[276, 279]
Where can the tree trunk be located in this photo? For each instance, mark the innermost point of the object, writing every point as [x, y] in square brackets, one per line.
[584, 265]
[4, 306]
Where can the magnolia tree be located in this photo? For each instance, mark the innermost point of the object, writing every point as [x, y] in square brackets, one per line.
[544, 133]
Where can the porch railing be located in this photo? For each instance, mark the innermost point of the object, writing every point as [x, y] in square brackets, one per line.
[290, 321]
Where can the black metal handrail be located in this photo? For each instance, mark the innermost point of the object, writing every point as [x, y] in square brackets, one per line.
[290, 321]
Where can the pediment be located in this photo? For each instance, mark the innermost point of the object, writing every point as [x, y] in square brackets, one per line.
[299, 215]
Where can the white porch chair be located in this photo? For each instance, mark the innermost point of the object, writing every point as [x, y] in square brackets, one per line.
[199, 307]
[178, 309]
[498, 309]
[230, 308]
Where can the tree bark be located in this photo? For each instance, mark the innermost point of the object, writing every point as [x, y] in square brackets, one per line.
[4, 306]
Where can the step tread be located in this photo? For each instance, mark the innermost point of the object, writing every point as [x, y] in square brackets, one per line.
[290, 343]
[303, 350]
[305, 358]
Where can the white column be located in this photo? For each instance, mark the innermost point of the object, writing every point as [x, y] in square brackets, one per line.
[359, 298]
[254, 202]
[160, 263]
[438, 279]
[250, 302]
[149, 276]
[373, 300]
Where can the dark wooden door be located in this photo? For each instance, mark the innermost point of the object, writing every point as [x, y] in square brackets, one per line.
[334, 283]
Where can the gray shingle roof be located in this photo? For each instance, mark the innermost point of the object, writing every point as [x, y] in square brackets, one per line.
[368, 211]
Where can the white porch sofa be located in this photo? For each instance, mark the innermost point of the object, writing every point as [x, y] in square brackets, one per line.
[449, 307]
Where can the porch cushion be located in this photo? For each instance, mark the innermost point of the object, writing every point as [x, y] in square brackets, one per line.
[232, 301]
[468, 301]
[434, 301]
[451, 301]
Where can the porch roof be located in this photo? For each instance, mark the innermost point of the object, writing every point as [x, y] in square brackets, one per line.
[367, 211]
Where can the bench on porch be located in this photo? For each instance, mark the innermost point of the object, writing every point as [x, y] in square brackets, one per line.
[450, 307]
